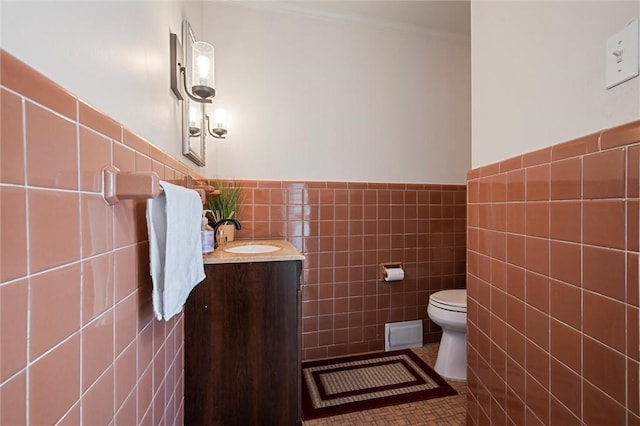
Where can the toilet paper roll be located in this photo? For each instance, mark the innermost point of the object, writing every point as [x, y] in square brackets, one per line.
[393, 274]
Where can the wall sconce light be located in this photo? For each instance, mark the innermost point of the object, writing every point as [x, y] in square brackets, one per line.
[199, 62]
[219, 131]
[193, 63]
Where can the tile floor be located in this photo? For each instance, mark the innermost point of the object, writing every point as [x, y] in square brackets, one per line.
[447, 411]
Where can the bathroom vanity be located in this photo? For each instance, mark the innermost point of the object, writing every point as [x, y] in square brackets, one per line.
[242, 339]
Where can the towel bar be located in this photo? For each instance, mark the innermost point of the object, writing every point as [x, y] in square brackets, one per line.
[139, 185]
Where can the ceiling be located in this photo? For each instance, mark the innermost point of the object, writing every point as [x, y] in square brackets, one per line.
[445, 16]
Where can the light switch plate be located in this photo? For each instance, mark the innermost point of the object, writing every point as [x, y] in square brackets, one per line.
[622, 55]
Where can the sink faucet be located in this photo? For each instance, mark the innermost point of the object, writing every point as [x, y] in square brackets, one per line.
[216, 225]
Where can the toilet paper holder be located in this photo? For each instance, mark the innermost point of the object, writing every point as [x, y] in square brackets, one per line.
[385, 266]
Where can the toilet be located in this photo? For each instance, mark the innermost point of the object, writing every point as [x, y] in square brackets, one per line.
[448, 309]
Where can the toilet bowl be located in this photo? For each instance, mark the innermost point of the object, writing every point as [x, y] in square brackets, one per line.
[448, 309]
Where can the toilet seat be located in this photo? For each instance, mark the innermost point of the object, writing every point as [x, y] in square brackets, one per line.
[450, 300]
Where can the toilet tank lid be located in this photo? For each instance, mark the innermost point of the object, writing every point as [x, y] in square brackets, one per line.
[451, 297]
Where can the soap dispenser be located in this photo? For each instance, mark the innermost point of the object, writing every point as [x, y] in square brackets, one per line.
[207, 234]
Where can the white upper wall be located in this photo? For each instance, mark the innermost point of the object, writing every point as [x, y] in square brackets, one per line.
[313, 98]
[538, 75]
[308, 98]
[113, 55]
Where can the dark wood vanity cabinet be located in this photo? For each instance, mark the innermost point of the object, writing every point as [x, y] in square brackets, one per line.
[242, 345]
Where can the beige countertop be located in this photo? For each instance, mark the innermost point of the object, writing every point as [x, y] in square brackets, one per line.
[286, 252]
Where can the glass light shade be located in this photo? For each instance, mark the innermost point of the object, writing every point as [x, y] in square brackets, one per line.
[195, 120]
[203, 69]
[220, 118]
[195, 117]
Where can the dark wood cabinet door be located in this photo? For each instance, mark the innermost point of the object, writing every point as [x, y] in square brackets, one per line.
[242, 353]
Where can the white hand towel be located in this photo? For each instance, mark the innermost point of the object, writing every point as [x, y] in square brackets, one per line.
[175, 248]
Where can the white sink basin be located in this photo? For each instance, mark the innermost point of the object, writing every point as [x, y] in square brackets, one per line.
[252, 249]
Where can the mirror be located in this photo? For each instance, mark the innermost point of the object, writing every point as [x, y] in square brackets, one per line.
[193, 135]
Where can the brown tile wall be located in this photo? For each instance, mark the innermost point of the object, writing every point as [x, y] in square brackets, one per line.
[78, 340]
[553, 284]
[345, 230]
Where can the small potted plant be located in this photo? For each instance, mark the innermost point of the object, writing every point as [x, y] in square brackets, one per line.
[224, 205]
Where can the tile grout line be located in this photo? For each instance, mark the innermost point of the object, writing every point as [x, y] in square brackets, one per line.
[28, 260]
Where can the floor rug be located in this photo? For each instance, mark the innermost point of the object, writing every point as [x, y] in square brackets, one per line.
[362, 382]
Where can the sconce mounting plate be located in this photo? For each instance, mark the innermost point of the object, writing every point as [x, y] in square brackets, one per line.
[176, 60]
